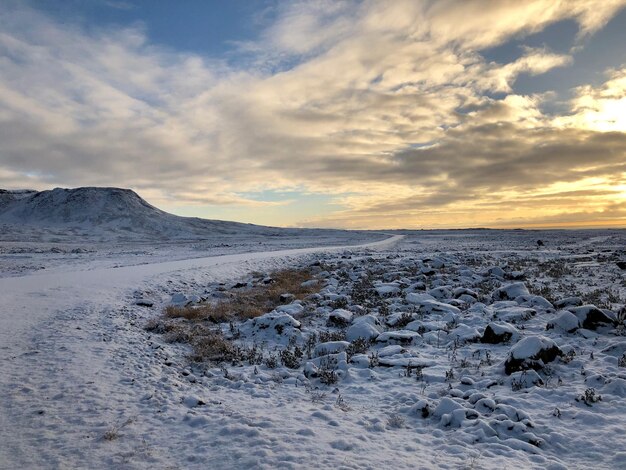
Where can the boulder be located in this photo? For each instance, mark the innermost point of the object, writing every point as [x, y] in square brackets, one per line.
[465, 334]
[498, 333]
[591, 317]
[532, 352]
[366, 327]
[340, 317]
[330, 347]
[398, 337]
[564, 321]
[440, 293]
[568, 302]
[515, 314]
[495, 271]
[510, 291]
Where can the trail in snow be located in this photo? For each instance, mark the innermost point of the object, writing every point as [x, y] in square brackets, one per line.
[28, 299]
[64, 353]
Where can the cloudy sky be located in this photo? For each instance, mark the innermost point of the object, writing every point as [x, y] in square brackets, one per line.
[355, 114]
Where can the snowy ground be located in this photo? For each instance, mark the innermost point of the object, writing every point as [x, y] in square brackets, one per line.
[84, 385]
[27, 252]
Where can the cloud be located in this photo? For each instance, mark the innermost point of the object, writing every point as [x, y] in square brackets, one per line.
[388, 107]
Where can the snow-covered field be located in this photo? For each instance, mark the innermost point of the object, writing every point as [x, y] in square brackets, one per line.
[480, 350]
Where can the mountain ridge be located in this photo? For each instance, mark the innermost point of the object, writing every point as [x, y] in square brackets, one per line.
[96, 210]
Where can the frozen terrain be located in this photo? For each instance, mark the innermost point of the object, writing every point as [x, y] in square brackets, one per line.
[84, 228]
[435, 349]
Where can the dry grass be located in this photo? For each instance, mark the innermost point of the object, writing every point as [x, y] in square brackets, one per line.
[191, 324]
[249, 303]
[212, 346]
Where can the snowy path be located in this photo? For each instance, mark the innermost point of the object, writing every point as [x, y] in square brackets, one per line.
[65, 351]
[28, 299]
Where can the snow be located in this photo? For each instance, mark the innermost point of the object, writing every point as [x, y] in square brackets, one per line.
[531, 346]
[367, 327]
[84, 385]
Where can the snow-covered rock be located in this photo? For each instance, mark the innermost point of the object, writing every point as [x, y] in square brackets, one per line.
[534, 301]
[564, 321]
[495, 271]
[515, 314]
[398, 337]
[418, 299]
[387, 289]
[366, 327]
[500, 332]
[330, 347]
[568, 302]
[340, 317]
[465, 334]
[591, 317]
[294, 309]
[532, 352]
[273, 326]
[510, 291]
[450, 412]
[440, 293]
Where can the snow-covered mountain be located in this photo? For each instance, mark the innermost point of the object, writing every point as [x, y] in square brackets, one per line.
[102, 211]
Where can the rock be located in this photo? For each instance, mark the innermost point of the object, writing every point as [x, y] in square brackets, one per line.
[294, 309]
[428, 305]
[534, 301]
[330, 347]
[387, 289]
[440, 293]
[340, 317]
[516, 275]
[514, 314]
[462, 291]
[568, 302]
[495, 271]
[591, 317]
[391, 350]
[360, 361]
[271, 326]
[267, 280]
[452, 413]
[437, 263]
[564, 321]
[309, 283]
[468, 299]
[510, 291]
[498, 333]
[398, 337]
[366, 327]
[621, 264]
[465, 334]
[418, 299]
[144, 303]
[179, 299]
[240, 285]
[286, 297]
[532, 352]
[191, 401]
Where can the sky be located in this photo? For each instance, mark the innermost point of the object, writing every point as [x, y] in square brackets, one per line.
[324, 113]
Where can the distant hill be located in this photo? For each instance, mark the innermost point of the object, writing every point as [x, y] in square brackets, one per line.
[121, 212]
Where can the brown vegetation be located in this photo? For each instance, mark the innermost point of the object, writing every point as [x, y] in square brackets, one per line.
[192, 324]
[249, 303]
